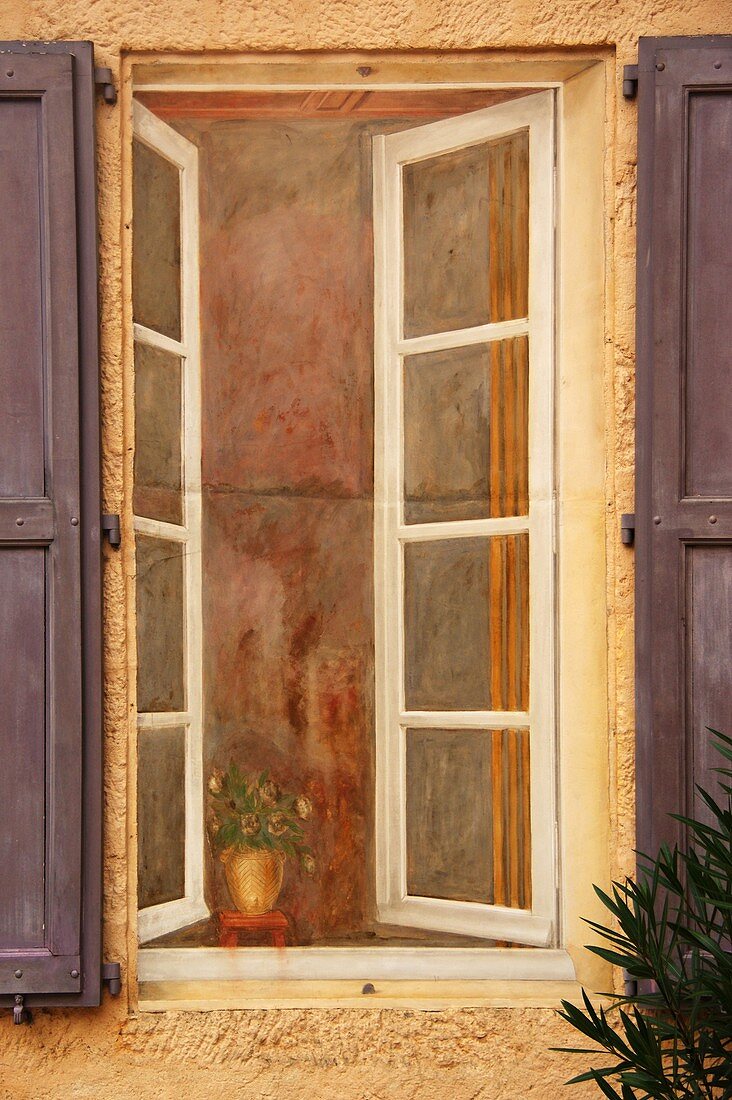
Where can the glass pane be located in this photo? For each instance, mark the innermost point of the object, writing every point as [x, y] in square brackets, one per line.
[466, 432]
[156, 242]
[468, 816]
[161, 821]
[158, 419]
[160, 625]
[466, 237]
[466, 624]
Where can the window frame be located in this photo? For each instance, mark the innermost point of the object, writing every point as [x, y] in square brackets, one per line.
[583, 82]
[157, 920]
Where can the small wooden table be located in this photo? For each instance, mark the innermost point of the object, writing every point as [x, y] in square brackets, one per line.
[233, 923]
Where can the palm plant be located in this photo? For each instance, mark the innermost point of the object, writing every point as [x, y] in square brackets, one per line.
[672, 935]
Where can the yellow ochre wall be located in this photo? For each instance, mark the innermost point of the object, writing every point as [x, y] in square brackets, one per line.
[375, 1054]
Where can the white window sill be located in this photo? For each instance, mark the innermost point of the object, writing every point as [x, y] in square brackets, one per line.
[271, 964]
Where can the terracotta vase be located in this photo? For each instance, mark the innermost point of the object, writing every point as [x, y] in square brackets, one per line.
[254, 878]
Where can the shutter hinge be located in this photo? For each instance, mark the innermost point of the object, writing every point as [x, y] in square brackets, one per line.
[112, 978]
[630, 81]
[627, 528]
[111, 528]
[21, 1015]
[104, 83]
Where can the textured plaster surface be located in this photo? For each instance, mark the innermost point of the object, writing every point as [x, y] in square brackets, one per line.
[493, 1054]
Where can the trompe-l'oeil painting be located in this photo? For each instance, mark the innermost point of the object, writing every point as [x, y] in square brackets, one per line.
[343, 485]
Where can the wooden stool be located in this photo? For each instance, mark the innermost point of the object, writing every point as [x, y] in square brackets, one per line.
[232, 923]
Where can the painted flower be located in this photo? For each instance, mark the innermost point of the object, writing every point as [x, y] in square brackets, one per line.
[214, 783]
[213, 826]
[250, 824]
[308, 864]
[270, 792]
[303, 807]
[277, 824]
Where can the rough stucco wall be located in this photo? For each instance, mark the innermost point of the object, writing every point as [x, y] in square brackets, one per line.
[497, 1053]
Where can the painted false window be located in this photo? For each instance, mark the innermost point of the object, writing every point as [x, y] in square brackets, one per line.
[464, 563]
[167, 508]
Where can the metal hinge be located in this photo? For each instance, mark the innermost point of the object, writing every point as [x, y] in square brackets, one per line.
[630, 81]
[104, 82]
[627, 528]
[21, 1015]
[111, 528]
[630, 985]
[112, 978]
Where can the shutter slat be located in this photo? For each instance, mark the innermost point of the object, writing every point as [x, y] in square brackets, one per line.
[684, 426]
[50, 632]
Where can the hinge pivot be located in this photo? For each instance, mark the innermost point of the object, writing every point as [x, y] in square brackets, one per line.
[112, 978]
[104, 81]
[627, 528]
[630, 81]
[111, 528]
[21, 1015]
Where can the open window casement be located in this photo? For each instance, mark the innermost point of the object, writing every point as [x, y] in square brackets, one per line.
[167, 508]
[464, 247]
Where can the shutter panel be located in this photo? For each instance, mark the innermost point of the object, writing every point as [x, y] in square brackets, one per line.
[684, 425]
[50, 628]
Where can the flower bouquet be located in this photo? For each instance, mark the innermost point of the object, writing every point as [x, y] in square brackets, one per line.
[254, 827]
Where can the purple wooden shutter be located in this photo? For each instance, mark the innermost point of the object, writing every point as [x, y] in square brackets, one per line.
[50, 621]
[684, 424]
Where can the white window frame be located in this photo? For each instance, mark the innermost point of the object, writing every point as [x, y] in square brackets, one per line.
[157, 920]
[537, 927]
[330, 964]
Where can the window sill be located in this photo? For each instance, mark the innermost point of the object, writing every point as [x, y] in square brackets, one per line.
[295, 966]
[426, 996]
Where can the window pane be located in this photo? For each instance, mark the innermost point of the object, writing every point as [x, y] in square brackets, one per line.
[158, 419]
[160, 625]
[466, 432]
[466, 623]
[468, 816]
[156, 242]
[466, 237]
[161, 765]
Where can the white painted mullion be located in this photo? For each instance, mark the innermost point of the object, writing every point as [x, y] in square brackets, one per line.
[464, 337]
[155, 339]
[155, 720]
[465, 719]
[463, 528]
[161, 529]
[161, 138]
[385, 545]
[542, 656]
[190, 297]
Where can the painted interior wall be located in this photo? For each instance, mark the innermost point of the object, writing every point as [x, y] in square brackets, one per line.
[287, 370]
[501, 1053]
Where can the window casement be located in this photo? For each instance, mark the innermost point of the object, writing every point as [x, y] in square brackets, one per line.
[167, 522]
[464, 524]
